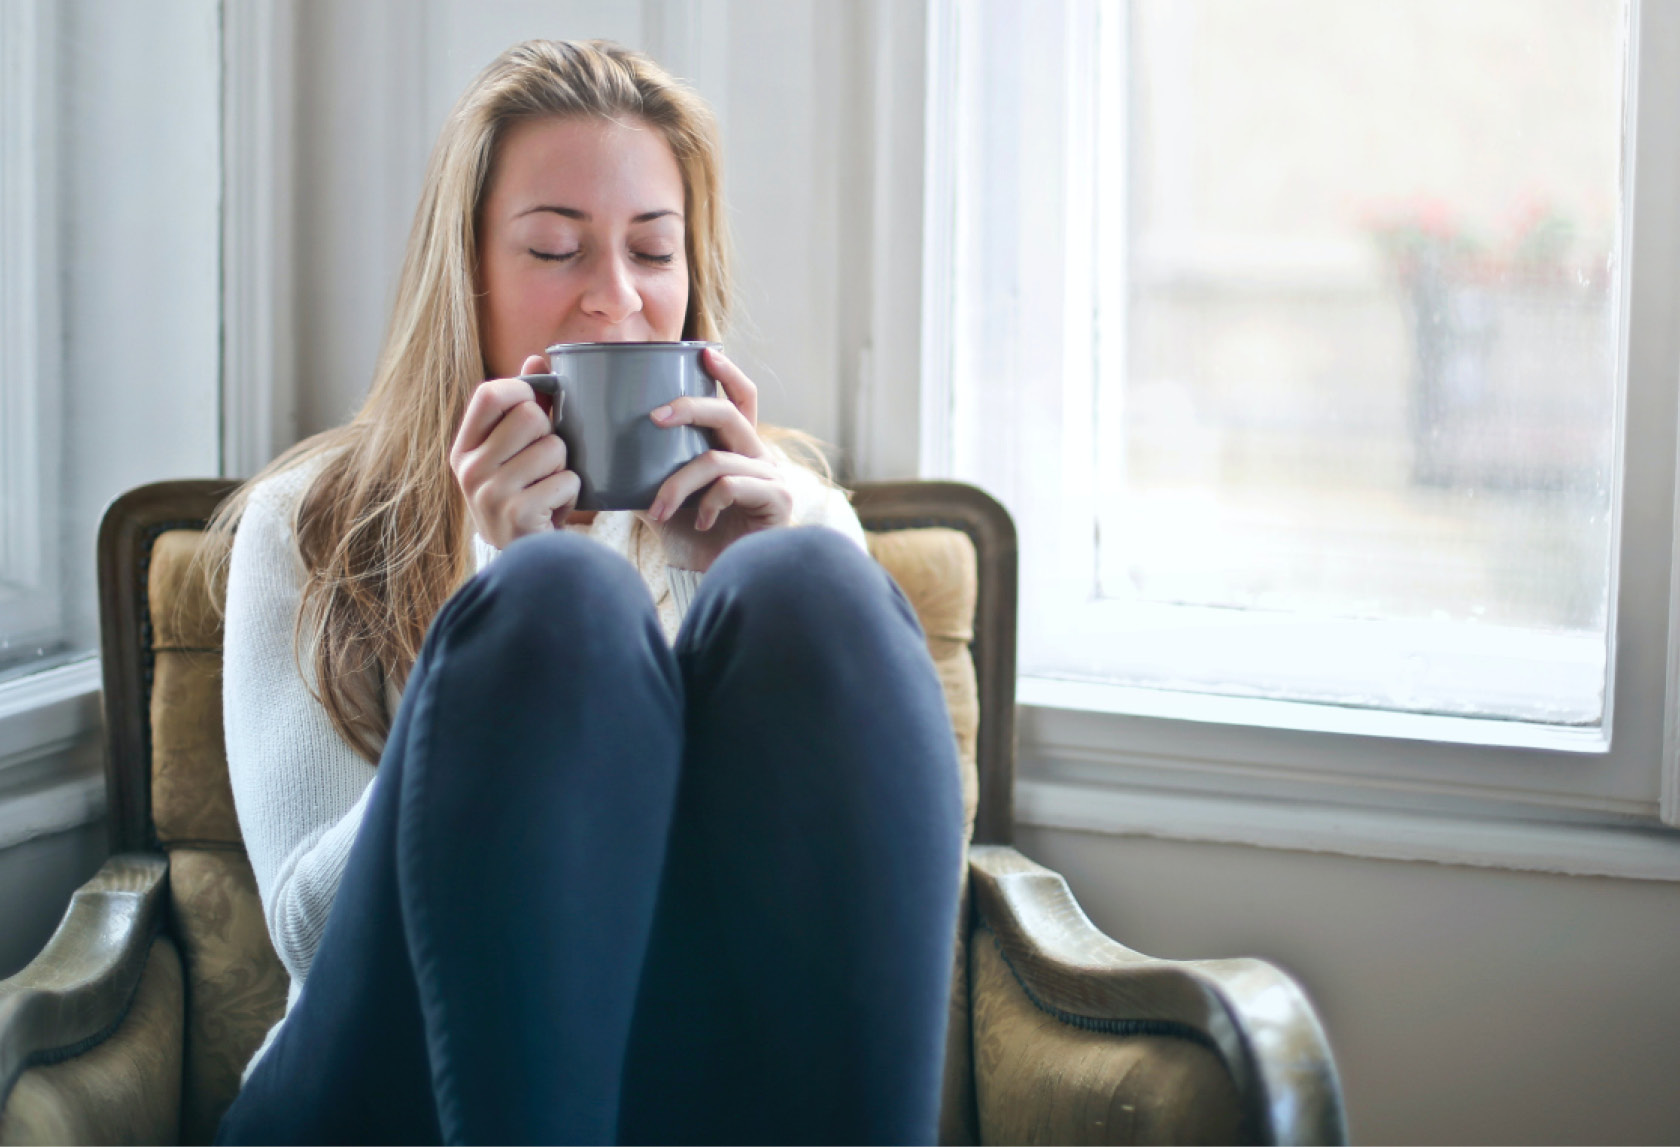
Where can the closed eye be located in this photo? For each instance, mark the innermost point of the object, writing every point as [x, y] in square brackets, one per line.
[552, 256]
[661, 259]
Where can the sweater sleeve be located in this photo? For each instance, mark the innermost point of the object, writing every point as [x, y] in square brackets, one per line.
[298, 786]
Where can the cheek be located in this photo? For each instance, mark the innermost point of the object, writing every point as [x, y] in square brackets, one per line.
[518, 316]
[667, 306]
[521, 302]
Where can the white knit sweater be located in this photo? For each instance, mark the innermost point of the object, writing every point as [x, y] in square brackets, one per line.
[299, 788]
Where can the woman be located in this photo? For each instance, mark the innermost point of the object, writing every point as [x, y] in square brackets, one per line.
[537, 873]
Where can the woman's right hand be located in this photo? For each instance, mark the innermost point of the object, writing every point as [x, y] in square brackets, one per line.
[510, 464]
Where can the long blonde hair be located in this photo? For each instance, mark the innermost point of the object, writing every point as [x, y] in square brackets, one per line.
[383, 529]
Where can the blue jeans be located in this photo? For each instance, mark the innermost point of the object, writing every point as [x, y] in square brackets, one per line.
[610, 891]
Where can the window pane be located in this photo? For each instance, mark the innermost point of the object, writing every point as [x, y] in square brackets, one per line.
[110, 289]
[1360, 340]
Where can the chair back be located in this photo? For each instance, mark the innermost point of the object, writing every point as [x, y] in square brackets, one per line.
[950, 547]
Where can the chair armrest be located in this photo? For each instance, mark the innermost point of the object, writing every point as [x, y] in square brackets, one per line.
[78, 989]
[1256, 1017]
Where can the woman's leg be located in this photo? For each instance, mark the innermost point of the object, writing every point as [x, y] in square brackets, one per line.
[799, 979]
[478, 973]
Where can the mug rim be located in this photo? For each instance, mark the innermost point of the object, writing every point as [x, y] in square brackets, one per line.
[562, 348]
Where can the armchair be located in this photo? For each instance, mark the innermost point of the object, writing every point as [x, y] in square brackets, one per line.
[134, 1022]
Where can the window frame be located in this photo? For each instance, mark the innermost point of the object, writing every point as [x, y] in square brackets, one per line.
[51, 747]
[1082, 743]
[30, 409]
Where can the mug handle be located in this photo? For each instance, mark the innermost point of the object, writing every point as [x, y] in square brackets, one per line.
[548, 384]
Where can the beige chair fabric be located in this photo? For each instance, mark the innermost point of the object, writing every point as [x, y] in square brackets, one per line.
[1040, 1080]
[126, 1089]
[192, 801]
[236, 985]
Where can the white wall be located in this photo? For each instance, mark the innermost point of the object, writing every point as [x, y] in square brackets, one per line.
[1464, 1005]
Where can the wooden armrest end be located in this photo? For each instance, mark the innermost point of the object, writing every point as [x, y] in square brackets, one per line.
[78, 989]
[1251, 1012]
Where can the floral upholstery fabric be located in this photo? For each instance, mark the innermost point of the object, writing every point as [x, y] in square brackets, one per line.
[236, 985]
[1038, 1079]
[192, 801]
[124, 1090]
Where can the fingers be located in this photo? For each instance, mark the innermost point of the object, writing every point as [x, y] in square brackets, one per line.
[510, 464]
[737, 387]
[532, 493]
[755, 485]
[731, 428]
[767, 501]
[489, 405]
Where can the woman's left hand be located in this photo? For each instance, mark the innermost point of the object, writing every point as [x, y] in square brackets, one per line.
[745, 490]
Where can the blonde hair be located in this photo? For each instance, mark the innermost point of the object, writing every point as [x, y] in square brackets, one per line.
[383, 529]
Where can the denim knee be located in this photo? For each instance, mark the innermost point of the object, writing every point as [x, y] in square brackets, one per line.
[559, 591]
[798, 583]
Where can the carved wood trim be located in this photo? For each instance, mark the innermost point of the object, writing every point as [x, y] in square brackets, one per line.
[1256, 1017]
[78, 989]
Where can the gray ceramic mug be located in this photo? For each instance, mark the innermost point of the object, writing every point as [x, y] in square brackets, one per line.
[603, 394]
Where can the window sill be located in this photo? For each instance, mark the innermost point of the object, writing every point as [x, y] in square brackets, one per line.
[52, 776]
[1315, 778]
[1626, 852]
[1263, 713]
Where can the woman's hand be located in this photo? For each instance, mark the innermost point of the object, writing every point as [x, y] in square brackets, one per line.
[509, 462]
[745, 490]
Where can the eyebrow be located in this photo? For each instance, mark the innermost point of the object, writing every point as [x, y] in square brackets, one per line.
[583, 216]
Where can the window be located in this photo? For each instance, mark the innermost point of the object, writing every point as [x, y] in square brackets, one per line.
[110, 316]
[31, 614]
[1320, 351]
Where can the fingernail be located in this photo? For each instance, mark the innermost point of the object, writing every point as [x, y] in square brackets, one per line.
[657, 511]
[663, 413]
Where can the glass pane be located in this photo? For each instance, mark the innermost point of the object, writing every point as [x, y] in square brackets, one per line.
[1362, 361]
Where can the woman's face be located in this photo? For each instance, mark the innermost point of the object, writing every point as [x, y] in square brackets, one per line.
[580, 240]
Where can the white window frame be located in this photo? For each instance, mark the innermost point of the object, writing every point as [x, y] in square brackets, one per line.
[51, 768]
[1319, 777]
[30, 605]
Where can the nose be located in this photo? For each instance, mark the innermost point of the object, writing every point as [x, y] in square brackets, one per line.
[611, 295]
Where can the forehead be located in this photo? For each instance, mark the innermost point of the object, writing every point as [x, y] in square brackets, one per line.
[594, 165]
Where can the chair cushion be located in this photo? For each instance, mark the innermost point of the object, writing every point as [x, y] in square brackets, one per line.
[937, 570]
[236, 985]
[192, 801]
[1040, 1080]
[123, 1090]
[183, 614]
